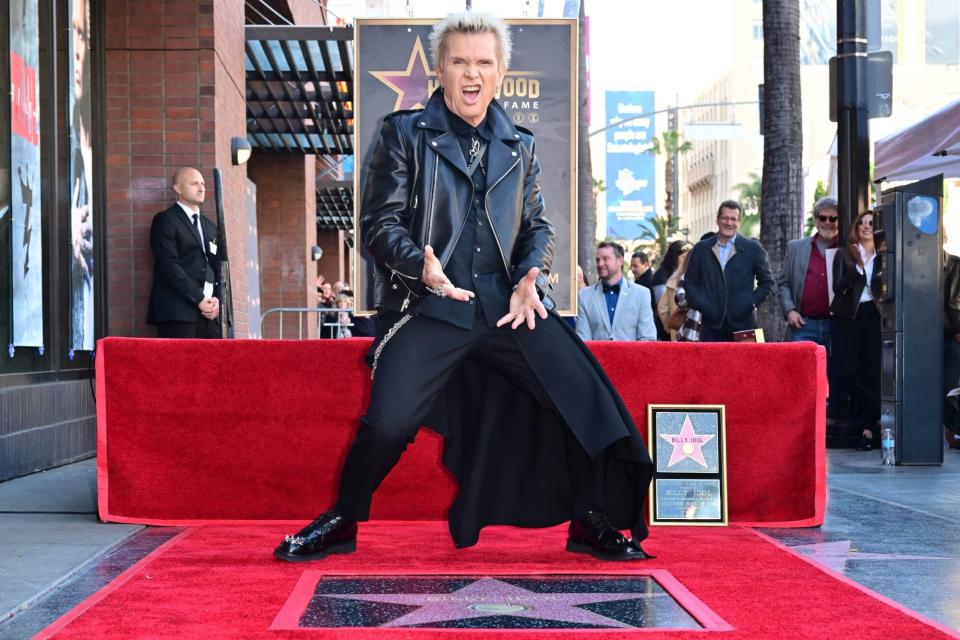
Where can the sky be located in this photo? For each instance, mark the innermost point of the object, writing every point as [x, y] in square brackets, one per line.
[633, 44]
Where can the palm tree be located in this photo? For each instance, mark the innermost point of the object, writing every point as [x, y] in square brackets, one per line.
[669, 143]
[750, 192]
[586, 200]
[781, 214]
[750, 199]
[661, 232]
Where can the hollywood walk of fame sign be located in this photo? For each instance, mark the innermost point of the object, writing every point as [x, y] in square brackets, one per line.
[394, 71]
[651, 599]
[688, 447]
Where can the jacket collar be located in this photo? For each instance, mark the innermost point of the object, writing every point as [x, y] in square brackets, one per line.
[502, 153]
[434, 116]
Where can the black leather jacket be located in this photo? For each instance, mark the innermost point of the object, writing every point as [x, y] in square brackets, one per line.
[417, 191]
[849, 283]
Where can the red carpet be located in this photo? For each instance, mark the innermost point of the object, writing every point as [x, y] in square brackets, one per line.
[194, 431]
[221, 582]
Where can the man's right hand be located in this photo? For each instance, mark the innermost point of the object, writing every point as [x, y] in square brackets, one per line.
[434, 277]
[209, 307]
[795, 320]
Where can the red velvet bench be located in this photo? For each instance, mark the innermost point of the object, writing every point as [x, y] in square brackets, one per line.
[192, 432]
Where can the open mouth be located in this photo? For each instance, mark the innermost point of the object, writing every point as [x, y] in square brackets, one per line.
[471, 93]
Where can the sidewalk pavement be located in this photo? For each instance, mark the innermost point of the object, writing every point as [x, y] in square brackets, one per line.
[892, 530]
[49, 532]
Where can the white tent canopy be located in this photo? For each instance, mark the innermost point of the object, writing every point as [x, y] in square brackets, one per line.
[924, 149]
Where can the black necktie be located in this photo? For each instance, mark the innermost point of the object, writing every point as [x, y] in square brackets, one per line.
[615, 288]
[196, 225]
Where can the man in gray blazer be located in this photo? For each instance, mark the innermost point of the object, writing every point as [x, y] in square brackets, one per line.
[614, 308]
[804, 297]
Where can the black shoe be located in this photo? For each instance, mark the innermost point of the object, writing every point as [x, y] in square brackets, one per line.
[329, 533]
[593, 534]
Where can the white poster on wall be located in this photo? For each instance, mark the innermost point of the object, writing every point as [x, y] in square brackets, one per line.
[81, 181]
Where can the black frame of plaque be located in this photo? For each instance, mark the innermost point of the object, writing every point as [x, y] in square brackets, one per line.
[659, 448]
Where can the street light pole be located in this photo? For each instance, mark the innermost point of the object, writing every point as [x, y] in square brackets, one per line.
[674, 221]
[853, 127]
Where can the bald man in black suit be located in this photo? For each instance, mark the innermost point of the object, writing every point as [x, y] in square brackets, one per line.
[183, 300]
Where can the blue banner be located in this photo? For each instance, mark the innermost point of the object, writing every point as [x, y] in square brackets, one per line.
[631, 179]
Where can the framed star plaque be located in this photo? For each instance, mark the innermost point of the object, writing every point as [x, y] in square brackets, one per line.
[688, 448]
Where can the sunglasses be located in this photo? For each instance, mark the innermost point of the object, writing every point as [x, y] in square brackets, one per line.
[823, 218]
[865, 223]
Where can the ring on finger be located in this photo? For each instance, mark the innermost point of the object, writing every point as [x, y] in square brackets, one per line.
[440, 292]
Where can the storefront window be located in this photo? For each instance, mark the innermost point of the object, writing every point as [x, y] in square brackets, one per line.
[47, 189]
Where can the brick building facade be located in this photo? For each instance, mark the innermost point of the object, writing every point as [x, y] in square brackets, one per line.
[170, 85]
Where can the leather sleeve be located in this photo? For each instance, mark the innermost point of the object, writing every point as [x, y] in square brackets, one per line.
[384, 210]
[535, 242]
[693, 279]
[761, 269]
[163, 242]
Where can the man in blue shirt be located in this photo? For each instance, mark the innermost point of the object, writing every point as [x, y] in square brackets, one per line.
[614, 308]
[728, 276]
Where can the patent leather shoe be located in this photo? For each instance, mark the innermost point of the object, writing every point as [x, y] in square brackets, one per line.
[594, 535]
[329, 533]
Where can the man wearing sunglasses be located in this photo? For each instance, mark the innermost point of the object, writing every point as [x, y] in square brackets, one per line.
[803, 284]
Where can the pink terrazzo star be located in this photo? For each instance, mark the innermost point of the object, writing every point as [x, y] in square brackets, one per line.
[492, 597]
[687, 444]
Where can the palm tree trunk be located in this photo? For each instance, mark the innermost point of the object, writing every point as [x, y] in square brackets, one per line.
[586, 209]
[781, 189]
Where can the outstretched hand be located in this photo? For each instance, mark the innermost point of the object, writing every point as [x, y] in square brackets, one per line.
[525, 302]
[434, 277]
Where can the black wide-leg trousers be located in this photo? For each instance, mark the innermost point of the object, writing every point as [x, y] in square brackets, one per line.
[413, 368]
[855, 367]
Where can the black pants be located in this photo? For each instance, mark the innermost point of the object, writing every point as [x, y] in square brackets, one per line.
[723, 334]
[202, 328]
[855, 368]
[412, 369]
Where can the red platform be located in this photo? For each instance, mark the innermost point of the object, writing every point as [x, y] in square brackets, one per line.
[191, 432]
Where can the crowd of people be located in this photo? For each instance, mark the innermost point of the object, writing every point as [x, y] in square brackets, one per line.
[709, 292]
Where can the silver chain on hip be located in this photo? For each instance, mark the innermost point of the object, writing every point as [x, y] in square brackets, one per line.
[393, 330]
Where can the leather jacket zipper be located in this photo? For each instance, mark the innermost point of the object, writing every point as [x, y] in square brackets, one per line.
[486, 210]
[433, 199]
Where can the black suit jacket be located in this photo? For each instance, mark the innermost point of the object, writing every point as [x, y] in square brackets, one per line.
[728, 296]
[181, 266]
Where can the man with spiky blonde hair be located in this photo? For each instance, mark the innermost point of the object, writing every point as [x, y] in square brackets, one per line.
[452, 213]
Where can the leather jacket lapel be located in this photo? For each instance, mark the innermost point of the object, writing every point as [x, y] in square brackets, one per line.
[501, 159]
[447, 146]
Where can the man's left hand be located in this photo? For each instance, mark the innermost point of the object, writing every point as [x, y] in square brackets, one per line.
[524, 303]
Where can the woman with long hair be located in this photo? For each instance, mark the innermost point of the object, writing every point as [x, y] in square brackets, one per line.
[855, 334]
[667, 266]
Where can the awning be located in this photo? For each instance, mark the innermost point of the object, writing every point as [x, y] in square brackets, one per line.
[300, 89]
[335, 206]
[922, 150]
